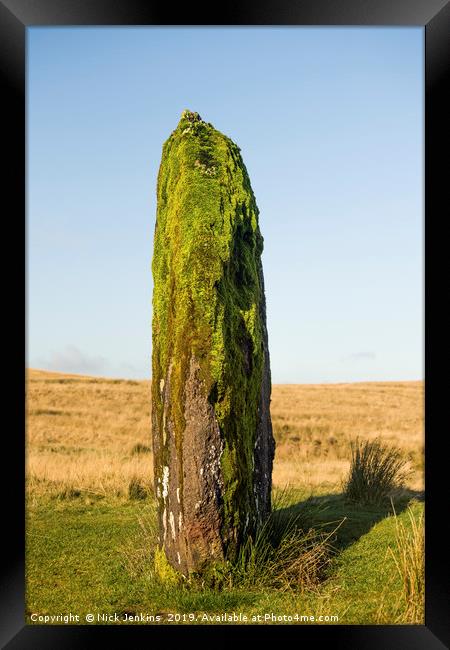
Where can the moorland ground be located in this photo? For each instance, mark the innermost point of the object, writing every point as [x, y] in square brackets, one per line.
[91, 511]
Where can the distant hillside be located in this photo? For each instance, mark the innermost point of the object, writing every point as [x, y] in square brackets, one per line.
[94, 433]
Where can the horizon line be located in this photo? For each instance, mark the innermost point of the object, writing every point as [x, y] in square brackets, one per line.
[282, 383]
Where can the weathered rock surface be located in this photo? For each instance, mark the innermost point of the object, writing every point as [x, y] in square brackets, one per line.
[212, 432]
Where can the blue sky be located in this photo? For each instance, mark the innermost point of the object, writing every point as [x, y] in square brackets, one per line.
[330, 125]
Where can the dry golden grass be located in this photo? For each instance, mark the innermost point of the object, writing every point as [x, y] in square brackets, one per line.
[92, 436]
[410, 563]
[314, 425]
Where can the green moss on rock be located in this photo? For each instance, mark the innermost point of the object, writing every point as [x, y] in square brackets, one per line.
[163, 570]
[208, 304]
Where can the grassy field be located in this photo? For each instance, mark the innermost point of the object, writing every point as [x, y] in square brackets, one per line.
[91, 513]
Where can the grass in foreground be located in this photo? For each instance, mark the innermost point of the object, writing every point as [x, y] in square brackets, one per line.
[98, 559]
[409, 558]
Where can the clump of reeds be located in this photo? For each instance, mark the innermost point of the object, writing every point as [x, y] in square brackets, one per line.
[376, 470]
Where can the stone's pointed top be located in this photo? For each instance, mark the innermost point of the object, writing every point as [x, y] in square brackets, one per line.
[191, 116]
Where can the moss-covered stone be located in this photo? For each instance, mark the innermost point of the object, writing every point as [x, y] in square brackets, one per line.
[164, 572]
[213, 443]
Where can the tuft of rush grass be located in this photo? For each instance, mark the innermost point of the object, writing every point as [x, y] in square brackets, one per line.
[376, 470]
[284, 558]
[291, 551]
[137, 490]
[409, 558]
[139, 448]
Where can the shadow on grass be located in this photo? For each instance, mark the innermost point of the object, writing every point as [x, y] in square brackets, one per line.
[327, 511]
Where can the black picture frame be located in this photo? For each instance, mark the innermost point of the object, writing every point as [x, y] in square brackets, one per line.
[434, 15]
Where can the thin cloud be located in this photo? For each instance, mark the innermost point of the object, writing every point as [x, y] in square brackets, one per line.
[73, 360]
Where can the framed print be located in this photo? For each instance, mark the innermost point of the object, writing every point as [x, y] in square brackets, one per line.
[231, 264]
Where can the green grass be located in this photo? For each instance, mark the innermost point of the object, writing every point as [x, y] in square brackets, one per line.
[97, 557]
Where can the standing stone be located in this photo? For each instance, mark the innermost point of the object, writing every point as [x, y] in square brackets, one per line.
[212, 432]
